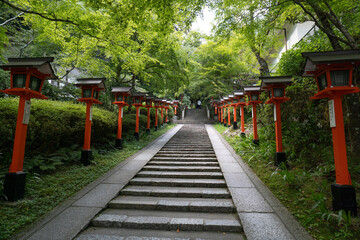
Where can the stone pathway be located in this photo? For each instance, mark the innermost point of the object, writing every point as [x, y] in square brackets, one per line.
[188, 184]
[180, 193]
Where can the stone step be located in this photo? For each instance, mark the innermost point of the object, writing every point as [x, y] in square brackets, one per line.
[185, 155]
[173, 204]
[167, 220]
[182, 168]
[182, 163]
[186, 149]
[183, 159]
[188, 145]
[176, 192]
[182, 152]
[99, 233]
[171, 182]
[167, 174]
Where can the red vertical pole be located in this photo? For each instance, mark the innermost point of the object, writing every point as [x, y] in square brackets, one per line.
[242, 119]
[162, 116]
[279, 146]
[148, 118]
[137, 119]
[254, 121]
[215, 110]
[339, 145]
[119, 132]
[166, 118]
[219, 114]
[229, 119]
[20, 138]
[235, 120]
[175, 110]
[87, 137]
[156, 118]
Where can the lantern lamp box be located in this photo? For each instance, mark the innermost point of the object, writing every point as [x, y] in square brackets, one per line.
[276, 85]
[90, 88]
[333, 71]
[120, 94]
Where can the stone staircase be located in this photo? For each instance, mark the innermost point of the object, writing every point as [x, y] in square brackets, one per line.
[180, 194]
[195, 116]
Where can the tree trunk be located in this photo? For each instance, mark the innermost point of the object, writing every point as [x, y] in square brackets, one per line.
[264, 67]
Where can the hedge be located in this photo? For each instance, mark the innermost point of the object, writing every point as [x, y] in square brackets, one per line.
[57, 126]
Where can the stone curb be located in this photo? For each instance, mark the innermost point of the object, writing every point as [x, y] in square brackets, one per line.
[89, 212]
[276, 211]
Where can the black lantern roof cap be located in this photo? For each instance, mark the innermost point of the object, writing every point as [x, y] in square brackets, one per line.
[99, 82]
[275, 80]
[176, 101]
[252, 89]
[121, 90]
[138, 94]
[158, 99]
[164, 100]
[42, 64]
[149, 98]
[313, 58]
[226, 98]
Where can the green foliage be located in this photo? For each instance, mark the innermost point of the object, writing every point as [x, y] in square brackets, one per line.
[44, 192]
[306, 193]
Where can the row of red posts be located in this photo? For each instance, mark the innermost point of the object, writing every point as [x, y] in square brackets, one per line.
[335, 73]
[27, 76]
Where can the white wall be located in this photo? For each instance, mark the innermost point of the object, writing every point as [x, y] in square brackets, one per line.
[294, 34]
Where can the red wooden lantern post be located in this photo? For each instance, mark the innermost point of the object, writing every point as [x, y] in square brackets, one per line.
[27, 76]
[148, 104]
[90, 88]
[162, 106]
[229, 104]
[334, 75]
[239, 95]
[276, 90]
[121, 94]
[234, 104]
[253, 93]
[137, 97]
[226, 111]
[167, 106]
[157, 105]
[223, 111]
[176, 105]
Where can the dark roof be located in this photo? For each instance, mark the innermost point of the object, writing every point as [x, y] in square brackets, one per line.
[138, 94]
[252, 89]
[314, 58]
[275, 80]
[239, 93]
[176, 101]
[99, 82]
[150, 98]
[42, 64]
[121, 90]
[158, 99]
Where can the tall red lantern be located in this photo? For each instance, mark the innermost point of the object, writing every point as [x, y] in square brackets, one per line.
[276, 89]
[27, 76]
[90, 89]
[176, 105]
[148, 104]
[137, 97]
[121, 94]
[226, 111]
[253, 93]
[334, 73]
[239, 95]
[157, 105]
